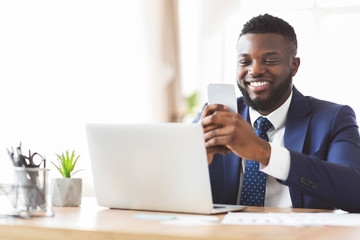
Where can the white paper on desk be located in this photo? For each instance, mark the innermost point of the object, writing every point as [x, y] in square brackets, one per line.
[192, 220]
[293, 219]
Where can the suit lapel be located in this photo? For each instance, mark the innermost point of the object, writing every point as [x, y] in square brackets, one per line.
[243, 110]
[297, 124]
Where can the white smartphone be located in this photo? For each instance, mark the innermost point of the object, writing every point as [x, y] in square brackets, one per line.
[222, 94]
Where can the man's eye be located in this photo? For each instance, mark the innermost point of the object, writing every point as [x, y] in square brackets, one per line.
[271, 61]
[244, 62]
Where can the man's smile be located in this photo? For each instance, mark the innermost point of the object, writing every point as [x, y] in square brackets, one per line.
[258, 85]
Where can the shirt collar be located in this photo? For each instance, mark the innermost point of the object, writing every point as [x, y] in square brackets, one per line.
[277, 117]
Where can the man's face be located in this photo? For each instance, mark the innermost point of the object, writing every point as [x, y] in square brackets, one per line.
[265, 69]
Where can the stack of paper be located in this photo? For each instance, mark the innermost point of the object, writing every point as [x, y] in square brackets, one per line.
[293, 219]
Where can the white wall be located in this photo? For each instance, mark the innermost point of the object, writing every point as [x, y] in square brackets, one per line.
[64, 64]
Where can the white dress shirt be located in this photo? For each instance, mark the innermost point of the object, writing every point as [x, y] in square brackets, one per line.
[276, 194]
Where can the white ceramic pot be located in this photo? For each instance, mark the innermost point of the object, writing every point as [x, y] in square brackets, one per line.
[66, 192]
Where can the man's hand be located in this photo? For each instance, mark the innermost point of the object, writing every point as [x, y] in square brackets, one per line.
[227, 131]
[212, 150]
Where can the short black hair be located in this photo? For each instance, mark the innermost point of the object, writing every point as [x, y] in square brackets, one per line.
[269, 24]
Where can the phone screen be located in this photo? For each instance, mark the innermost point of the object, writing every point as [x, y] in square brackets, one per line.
[220, 93]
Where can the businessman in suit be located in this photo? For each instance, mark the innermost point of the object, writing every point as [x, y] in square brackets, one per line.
[309, 154]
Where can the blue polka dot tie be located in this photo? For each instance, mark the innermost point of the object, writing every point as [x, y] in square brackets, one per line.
[253, 189]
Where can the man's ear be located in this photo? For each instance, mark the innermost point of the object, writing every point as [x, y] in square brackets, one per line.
[295, 65]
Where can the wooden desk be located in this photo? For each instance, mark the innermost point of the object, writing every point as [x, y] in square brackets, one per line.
[93, 222]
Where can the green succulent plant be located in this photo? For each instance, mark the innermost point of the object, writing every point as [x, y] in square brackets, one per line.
[66, 164]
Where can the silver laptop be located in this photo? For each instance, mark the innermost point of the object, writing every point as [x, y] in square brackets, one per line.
[156, 167]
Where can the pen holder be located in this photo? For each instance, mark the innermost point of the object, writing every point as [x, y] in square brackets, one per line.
[30, 192]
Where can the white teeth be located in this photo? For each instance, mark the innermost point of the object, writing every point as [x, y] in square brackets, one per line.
[258, 84]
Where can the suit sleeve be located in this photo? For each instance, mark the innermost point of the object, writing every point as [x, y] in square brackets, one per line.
[331, 174]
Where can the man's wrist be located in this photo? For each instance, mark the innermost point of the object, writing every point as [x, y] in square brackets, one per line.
[263, 153]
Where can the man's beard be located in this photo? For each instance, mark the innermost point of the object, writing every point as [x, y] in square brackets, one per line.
[276, 95]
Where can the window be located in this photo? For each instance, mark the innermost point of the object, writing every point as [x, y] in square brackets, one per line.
[328, 44]
[64, 64]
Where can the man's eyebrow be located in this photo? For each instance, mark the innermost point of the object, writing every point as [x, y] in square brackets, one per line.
[243, 55]
[271, 53]
[265, 54]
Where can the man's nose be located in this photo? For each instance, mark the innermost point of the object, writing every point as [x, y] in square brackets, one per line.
[256, 68]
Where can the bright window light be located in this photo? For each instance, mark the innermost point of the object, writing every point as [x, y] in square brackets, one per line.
[327, 46]
[64, 64]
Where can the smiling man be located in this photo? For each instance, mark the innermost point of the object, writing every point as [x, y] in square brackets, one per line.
[266, 65]
[282, 149]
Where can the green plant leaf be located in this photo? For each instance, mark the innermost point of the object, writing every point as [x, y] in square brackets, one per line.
[66, 163]
[75, 162]
[58, 168]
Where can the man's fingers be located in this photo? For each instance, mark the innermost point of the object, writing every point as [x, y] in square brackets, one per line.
[220, 118]
[210, 109]
[218, 141]
[217, 132]
[210, 128]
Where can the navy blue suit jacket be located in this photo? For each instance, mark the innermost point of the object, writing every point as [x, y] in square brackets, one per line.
[324, 144]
